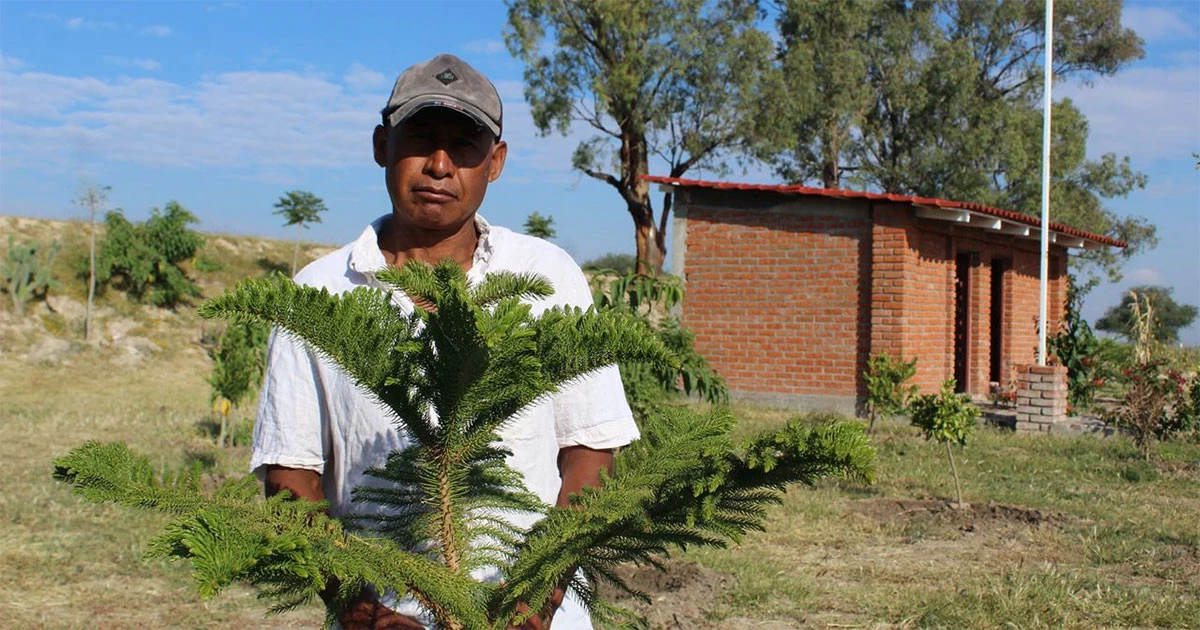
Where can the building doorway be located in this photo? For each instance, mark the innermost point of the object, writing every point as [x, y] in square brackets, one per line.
[962, 320]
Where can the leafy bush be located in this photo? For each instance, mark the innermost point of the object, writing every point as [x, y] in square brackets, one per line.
[144, 259]
[617, 264]
[1159, 403]
[239, 358]
[26, 272]
[945, 417]
[1076, 347]
[478, 356]
[887, 394]
[204, 264]
[651, 299]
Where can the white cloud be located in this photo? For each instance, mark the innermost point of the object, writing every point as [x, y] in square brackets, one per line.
[484, 46]
[156, 30]
[82, 24]
[1144, 275]
[1156, 24]
[148, 65]
[1146, 113]
[361, 78]
[261, 122]
[10, 63]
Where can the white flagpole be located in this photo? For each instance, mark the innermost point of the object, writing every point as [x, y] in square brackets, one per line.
[1048, 80]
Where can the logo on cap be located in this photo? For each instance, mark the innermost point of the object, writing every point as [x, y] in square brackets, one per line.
[446, 76]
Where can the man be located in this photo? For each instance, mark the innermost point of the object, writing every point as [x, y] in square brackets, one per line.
[317, 433]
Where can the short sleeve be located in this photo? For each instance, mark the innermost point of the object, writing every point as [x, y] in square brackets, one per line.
[288, 429]
[591, 411]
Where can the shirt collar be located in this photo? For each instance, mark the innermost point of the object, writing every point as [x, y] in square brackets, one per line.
[367, 260]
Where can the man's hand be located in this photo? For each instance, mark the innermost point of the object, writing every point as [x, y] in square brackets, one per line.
[542, 621]
[364, 612]
[367, 613]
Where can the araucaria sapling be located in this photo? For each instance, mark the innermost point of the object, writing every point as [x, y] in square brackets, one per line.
[475, 356]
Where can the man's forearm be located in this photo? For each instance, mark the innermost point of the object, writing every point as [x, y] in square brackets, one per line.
[303, 484]
[579, 467]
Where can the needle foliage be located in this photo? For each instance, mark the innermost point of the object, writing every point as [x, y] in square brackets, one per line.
[474, 355]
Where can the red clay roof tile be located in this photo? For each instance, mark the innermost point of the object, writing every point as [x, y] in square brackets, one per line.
[836, 193]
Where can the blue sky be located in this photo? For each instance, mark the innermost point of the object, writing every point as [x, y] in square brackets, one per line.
[223, 106]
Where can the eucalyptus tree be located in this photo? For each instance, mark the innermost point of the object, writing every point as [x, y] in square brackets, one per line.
[677, 80]
[942, 98]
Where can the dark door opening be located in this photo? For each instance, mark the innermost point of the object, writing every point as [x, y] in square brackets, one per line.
[996, 347]
[962, 320]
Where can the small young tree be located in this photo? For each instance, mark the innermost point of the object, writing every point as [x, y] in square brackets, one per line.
[94, 198]
[239, 358]
[299, 208]
[477, 356]
[946, 417]
[144, 259]
[887, 394]
[540, 226]
[26, 271]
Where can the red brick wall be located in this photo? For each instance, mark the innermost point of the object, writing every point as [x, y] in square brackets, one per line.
[775, 295]
[790, 295]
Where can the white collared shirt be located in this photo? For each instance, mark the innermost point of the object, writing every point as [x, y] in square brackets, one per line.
[312, 416]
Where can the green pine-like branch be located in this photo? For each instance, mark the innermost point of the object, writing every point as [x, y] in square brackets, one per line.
[682, 484]
[454, 372]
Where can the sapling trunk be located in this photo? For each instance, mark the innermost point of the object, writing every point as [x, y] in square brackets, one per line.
[954, 472]
[296, 250]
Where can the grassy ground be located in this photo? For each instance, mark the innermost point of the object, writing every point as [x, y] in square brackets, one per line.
[1072, 532]
[1063, 531]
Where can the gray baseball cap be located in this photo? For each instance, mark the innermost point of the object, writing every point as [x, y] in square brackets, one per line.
[445, 81]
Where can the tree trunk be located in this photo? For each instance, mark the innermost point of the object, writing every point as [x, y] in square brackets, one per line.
[650, 254]
[296, 252]
[651, 244]
[87, 313]
[954, 471]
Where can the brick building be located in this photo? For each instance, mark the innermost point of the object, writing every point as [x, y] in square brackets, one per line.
[790, 289]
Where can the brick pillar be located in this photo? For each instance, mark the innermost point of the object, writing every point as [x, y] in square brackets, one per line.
[1041, 398]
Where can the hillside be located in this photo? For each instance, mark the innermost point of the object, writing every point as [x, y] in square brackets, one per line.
[126, 332]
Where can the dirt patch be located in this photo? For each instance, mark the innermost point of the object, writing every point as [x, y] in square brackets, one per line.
[682, 597]
[969, 518]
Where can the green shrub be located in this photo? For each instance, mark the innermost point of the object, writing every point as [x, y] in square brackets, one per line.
[1159, 403]
[649, 387]
[204, 264]
[612, 262]
[945, 417]
[26, 272]
[887, 394]
[239, 358]
[144, 259]
[1076, 347]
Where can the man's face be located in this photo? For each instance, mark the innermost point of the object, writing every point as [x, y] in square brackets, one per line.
[438, 164]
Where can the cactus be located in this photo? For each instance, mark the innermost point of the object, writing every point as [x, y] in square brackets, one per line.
[26, 271]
